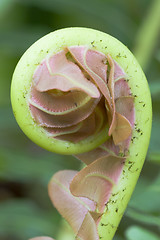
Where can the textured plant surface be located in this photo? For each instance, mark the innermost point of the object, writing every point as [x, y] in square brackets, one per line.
[73, 104]
[88, 97]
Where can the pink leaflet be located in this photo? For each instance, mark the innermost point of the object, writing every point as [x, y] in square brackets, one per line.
[87, 129]
[96, 216]
[73, 209]
[111, 112]
[55, 132]
[111, 78]
[41, 238]
[88, 229]
[91, 181]
[118, 73]
[82, 56]
[57, 65]
[90, 61]
[107, 148]
[124, 100]
[59, 73]
[91, 156]
[64, 120]
[125, 109]
[120, 127]
[90, 126]
[57, 103]
[123, 129]
[110, 147]
[58, 112]
[121, 88]
[94, 61]
[125, 106]
[85, 58]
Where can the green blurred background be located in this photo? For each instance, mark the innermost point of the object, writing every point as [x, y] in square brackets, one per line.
[25, 169]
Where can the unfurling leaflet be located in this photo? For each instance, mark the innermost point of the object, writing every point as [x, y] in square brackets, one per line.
[75, 94]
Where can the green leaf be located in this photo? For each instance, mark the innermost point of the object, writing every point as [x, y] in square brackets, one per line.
[7, 64]
[154, 157]
[4, 4]
[155, 88]
[156, 185]
[157, 54]
[23, 219]
[146, 197]
[15, 41]
[103, 12]
[154, 143]
[26, 167]
[139, 233]
[117, 237]
[144, 218]
[147, 201]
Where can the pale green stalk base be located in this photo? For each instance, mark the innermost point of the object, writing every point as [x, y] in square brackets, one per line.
[102, 42]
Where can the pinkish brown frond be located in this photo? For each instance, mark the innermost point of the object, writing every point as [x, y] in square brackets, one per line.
[57, 72]
[110, 147]
[121, 88]
[123, 129]
[125, 106]
[90, 61]
[91, 181]
[90, 126]
[75, 94]
[107, 148]
[67, 88]
[118, 72]
[73, 209]
[54, 102]
[111, 111]
[63, 120]
[88, 229]
[91, 156]
[87, 129]
[59, 132]
[120, 127]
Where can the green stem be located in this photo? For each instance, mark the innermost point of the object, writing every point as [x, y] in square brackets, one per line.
[147, 35]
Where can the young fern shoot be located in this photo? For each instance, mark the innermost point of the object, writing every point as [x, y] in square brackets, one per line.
[79, 91]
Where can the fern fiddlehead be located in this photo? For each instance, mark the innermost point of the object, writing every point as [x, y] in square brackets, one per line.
[79, 91]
